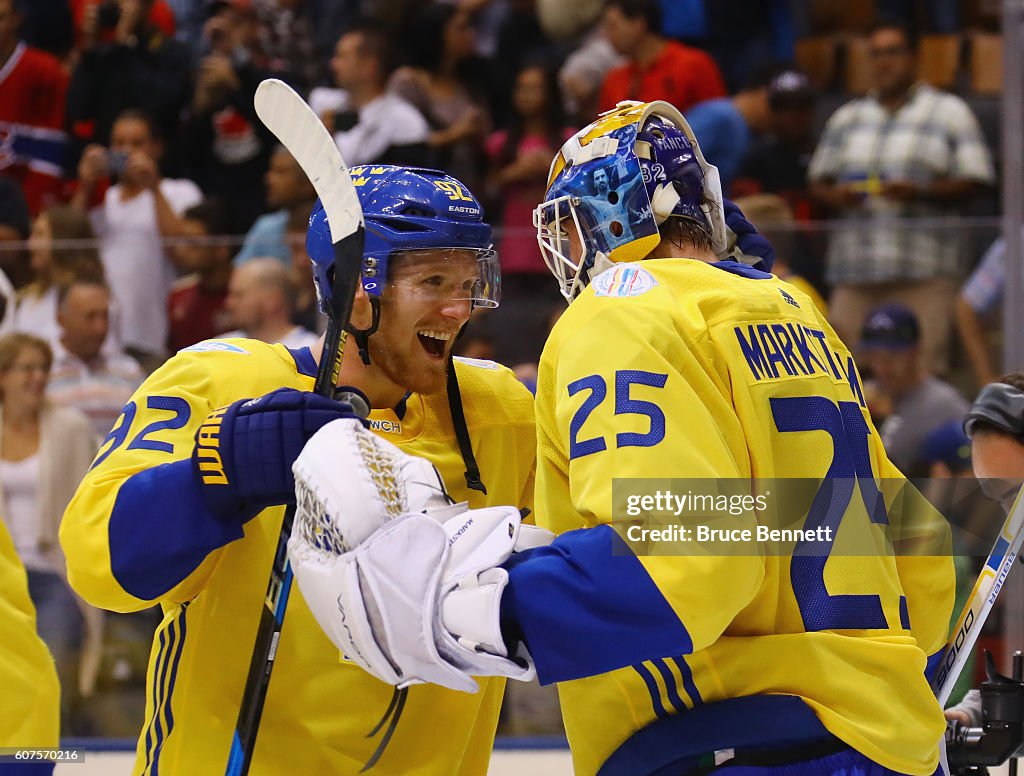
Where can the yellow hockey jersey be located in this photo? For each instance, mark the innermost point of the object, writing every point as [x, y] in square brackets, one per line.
[137, 532]
[30, 707]
[674, 368]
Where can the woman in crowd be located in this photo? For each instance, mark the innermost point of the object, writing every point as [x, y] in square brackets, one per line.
[44, 451]
[53, 266]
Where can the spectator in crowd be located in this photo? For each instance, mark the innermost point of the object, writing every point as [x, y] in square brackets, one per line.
[55, 266]
[777, 163]
[32, 94]
[89, 15]
[45, 449]
[658, 68]
[891, 345]
[142, 67]
[369, 124]
[195, 307]
[307, 310]
[47, 25]
[583, 72]
[978, 302]
[88, 375]
[520, 156]
[906, 150]
[225, 148]
[443, 85]
[726, 126]
[774, 219]
[136, 213]
[518, 38]
[15, 226]
[289, 192]
[286, 41]
[261, 302]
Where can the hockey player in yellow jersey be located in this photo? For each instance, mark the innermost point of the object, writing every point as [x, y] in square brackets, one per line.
[673, 363]
[717, 369]
[190, 521]
[30, 710]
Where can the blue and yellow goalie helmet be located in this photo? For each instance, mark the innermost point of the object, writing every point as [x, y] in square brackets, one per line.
[615, 182]
[408, 209]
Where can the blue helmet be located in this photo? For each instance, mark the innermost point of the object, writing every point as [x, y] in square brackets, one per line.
[615, 182]
[407, 208]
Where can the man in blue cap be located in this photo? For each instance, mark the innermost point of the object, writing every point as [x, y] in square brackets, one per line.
[890, 342]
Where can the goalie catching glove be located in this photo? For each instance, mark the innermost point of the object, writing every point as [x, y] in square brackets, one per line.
[407, 585]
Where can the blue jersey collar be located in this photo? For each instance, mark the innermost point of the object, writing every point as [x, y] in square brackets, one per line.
[744, 270]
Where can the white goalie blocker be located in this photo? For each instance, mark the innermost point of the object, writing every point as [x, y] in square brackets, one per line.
[406, 584]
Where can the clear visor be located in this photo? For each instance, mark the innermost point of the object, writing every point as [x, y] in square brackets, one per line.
[448, 275]
[561, 238]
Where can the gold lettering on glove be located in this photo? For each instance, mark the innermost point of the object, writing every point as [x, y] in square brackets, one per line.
[211, 466]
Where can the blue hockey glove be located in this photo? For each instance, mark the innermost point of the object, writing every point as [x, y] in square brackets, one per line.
[753, 248]
[244, 452]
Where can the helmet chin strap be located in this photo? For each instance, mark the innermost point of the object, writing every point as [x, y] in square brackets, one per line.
[362, 336]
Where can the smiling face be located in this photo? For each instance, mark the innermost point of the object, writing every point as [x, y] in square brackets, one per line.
[23, 383]
[425, 303]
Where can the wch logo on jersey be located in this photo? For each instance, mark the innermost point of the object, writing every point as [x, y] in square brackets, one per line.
[211, 465]
[624, 280]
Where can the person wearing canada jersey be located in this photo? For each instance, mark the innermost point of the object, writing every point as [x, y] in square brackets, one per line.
[32, 91]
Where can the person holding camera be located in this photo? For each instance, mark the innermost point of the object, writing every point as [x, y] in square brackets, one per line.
[224, 147]
[141, 67]
[136, 213]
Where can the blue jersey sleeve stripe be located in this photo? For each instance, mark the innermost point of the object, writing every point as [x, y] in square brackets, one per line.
[688, 684]
[153, 724]
[591, 579]
[160, 530]
[671, 687]
[169, 695]
[165, 671]
[653, 689]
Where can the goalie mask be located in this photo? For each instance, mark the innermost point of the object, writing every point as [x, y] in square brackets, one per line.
[612, 186]
[408, 209]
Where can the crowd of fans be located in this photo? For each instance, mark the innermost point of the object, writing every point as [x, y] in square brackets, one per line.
[144, 207]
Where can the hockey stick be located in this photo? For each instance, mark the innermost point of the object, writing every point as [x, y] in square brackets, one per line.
[986, 590]
[292, 121]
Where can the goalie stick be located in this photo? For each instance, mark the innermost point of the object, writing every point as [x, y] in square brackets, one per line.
[299, 129]
[983, 596]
